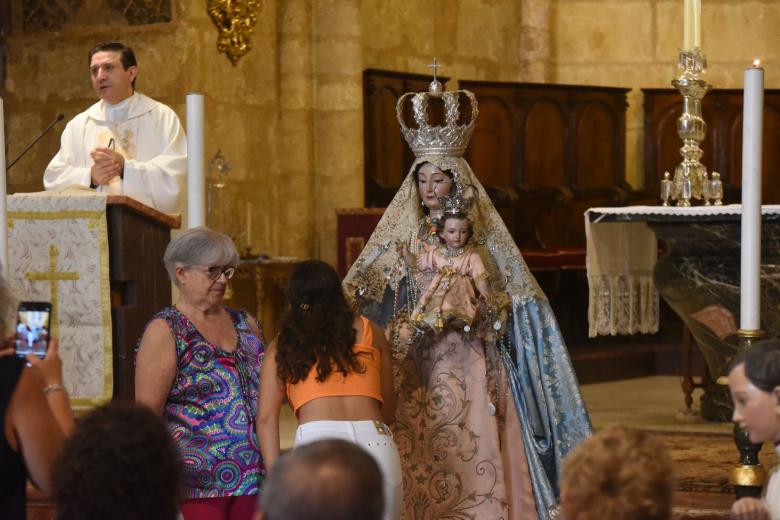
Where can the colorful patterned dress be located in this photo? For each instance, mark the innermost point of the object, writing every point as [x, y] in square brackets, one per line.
[211, 409]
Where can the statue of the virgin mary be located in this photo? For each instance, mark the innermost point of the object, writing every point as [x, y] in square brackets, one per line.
[485, 415]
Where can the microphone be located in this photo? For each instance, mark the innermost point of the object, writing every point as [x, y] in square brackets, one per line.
[57, 119]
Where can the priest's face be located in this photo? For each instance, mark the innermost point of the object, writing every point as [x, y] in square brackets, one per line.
[755, 411]
[111, 82]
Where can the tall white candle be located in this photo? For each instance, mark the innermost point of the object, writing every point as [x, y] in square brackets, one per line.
[752, 123]
[687, 25]
[696, 22]
[3, 201]
[196, 178]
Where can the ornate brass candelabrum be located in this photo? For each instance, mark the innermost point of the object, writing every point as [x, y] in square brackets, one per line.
[691, 180]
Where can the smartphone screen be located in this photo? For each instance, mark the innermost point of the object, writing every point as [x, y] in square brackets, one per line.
[32, 329]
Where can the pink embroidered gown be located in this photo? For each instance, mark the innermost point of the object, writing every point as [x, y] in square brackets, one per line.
[452, 293]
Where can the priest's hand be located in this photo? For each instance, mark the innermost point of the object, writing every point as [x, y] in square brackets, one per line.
[749, 508]
[108, 164]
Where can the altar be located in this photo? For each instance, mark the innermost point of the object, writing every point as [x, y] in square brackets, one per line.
[697, 273]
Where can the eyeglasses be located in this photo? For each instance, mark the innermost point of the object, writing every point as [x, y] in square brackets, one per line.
[216, 271]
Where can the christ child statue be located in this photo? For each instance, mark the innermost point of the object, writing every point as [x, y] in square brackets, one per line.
[458, 278]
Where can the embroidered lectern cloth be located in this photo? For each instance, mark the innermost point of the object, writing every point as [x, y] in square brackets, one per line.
[58, 253]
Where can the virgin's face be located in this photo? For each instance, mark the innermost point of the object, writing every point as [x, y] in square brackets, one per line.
[755, 410]
[432, 183]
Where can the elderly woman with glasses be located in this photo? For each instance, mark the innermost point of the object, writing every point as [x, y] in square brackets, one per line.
[198, 366]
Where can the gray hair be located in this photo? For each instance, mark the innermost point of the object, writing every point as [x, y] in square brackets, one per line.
[199, 246]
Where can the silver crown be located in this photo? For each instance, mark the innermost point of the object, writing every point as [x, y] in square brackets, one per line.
[456, 203]
[449, 140]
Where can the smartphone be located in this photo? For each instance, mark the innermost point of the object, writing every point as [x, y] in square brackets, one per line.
[32, 329]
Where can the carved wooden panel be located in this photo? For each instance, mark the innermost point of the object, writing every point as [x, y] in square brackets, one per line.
[545, 153]
[494, 148]
[722, 147]
[387, 156]
[567, 153]
[542, 140]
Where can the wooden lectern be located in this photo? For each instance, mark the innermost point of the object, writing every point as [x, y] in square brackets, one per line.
[137, 238]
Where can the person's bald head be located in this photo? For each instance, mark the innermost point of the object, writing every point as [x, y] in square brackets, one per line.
[330, 479]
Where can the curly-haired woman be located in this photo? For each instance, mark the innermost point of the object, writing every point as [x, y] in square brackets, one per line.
[615, 474]
[336, 372]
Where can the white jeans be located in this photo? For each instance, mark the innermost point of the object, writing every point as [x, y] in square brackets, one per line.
[376, 439]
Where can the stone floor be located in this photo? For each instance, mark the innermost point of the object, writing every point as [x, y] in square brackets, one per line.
[649, 403]
[704, 453]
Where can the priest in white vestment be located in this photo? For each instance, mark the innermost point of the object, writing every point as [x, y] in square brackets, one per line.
[126, 143]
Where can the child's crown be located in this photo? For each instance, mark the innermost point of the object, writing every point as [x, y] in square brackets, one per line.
[456, 203]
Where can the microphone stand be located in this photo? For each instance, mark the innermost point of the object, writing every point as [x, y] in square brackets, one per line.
[59, 118]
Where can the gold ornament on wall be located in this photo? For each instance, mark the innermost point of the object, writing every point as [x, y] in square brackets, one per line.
[235, 20]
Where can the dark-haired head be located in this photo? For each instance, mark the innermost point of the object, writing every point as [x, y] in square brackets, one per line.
[319, 327]
[126, 54]
[314, 283]
[120, 462]
[754, 383]
[456, 216]
[762, 364]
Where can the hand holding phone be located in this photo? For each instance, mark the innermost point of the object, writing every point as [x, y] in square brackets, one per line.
[32, 329]
[47, 370]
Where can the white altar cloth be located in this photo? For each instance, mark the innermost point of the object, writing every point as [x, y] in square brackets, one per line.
[620, 259]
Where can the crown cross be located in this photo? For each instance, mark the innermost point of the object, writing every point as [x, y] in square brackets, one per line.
[434, 66]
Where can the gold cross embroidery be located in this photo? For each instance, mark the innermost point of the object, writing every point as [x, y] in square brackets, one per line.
[54, 277]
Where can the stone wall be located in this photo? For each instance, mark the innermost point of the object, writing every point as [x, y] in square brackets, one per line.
[634, 43]
[48, 74]
[289, 117]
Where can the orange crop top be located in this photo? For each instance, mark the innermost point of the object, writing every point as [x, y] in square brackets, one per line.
[367, 384]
